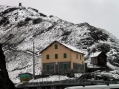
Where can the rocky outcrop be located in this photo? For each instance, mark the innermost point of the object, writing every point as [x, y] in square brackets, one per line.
[5, 82]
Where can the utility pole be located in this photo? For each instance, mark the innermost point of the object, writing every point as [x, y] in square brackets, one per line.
[33, 60]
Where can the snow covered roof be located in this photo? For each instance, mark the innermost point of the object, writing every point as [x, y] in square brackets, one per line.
[72, 48]
[95, 54]
[66, 45]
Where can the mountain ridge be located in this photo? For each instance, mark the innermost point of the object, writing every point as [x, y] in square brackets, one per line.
[20, 26]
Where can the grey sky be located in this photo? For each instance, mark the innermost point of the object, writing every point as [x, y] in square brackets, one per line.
[100, 13]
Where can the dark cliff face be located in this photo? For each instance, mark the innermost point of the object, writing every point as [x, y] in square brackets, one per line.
[5, 82]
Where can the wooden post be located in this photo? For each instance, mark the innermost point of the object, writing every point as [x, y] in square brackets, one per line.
[33, 60]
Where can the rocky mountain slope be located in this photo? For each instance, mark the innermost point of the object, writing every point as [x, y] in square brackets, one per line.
[20, 26]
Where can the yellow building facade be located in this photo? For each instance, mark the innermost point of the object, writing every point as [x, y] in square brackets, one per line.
[61, 58]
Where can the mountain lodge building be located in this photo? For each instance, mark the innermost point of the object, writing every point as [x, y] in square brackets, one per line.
[99, 58]
[60, 58]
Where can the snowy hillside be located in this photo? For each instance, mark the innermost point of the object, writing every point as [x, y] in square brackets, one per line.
[20, 26]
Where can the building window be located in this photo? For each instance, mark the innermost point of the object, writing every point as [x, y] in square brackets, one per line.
[76, 56]
[80, 57]
[48, 67]
[56, 56]
[65, 66]
[47, 57]
[65, 55]
[56, 46]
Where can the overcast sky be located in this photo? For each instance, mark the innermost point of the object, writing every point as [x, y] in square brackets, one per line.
[99, 13]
